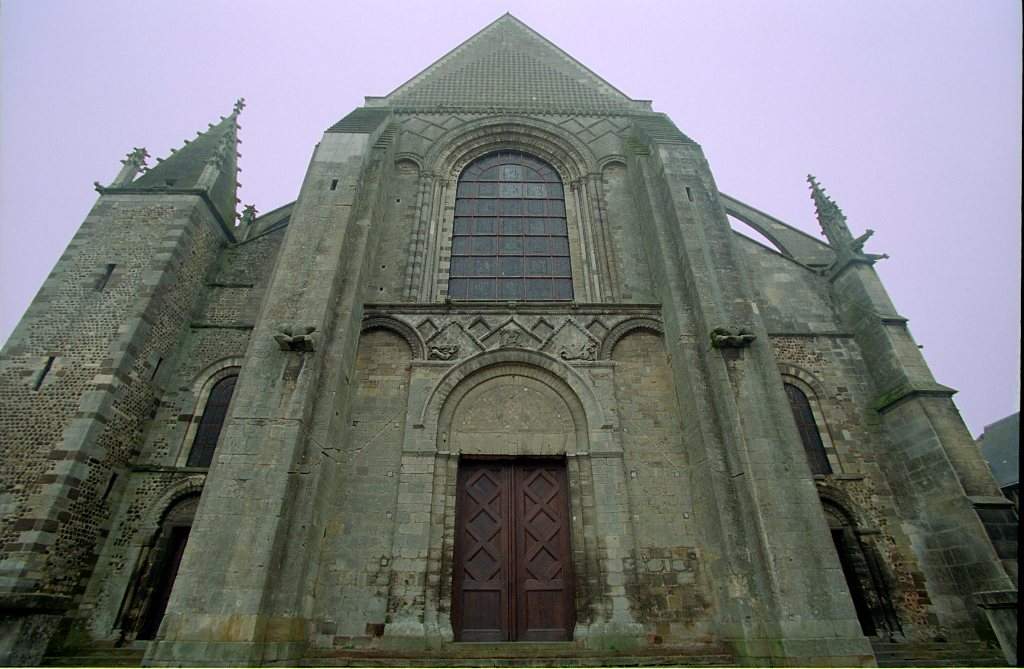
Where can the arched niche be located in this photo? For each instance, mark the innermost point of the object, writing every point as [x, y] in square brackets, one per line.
[513, 410]
[590, 417]
[417, 348]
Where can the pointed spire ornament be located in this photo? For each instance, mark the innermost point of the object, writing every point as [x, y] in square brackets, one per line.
[239, 106]
[833, 224]
[131, 165]
[248, 214]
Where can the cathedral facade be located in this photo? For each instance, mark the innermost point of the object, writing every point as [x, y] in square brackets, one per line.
[501, 374]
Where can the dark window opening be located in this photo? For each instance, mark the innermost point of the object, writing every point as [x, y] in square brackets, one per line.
[808, 428]
[44, 372]
[334, 184]
[689, 194]
[212, 422]
[110, 486]
[509, 238]
[103, 280]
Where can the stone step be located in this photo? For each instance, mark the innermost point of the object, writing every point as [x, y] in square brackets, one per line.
[937, 654]
[97, 657]
[367, 660]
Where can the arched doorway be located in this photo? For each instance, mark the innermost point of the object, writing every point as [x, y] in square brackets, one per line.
[864, 576]
[513, 576]
[152, 587]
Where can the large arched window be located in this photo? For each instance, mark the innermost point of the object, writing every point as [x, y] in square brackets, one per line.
[808, 429]
[212, 422]
[510, 240]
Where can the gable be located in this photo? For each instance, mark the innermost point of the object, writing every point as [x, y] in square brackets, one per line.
[508, 66]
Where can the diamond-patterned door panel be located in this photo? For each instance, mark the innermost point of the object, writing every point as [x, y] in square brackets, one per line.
[543, 563]
[480, 610]
[513, 575]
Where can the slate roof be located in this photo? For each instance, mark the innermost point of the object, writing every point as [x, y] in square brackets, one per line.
[181, 169]
[1000, 445]
[509, 66]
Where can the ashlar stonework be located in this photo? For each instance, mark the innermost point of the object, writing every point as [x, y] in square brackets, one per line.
[502, 372]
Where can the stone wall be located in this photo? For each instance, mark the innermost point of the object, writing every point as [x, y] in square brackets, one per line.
[669, 593]
[213, 344]
[352, 588]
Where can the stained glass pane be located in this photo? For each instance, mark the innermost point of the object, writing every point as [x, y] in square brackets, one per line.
[512, 226]
[483, 245]
[536, 266]
[458, 288]
[510, 190]
[538, 289]
[511, 207]
[486, 266]
[486, 226]
[481, 289]
[537, 246]
[556, 226]
[536, 191]
[511, 266]
[511, 246]
[510, 289]
[536, 226]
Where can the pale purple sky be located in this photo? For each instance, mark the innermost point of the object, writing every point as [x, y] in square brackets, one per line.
[908, 112]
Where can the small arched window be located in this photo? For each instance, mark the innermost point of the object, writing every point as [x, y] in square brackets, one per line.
[212, 422]
[808, 428]
[510, 240]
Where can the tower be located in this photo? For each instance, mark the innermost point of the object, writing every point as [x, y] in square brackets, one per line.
[501, 373]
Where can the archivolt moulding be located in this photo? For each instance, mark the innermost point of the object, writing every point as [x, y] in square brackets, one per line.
[172, 494]
[804, 377]
[416, 346]
[595, 413]
[623, 329]
[451, 152]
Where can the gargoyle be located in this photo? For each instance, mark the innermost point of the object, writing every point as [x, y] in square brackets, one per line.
[302, 340]
[727, 338]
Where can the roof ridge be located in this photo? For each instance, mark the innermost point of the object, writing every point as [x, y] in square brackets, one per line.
[520, 62]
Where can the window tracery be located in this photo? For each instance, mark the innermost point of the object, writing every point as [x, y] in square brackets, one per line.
[510, 240]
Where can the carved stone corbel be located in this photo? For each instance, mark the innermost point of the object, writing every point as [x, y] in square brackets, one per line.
[302, 340]
[731, 338]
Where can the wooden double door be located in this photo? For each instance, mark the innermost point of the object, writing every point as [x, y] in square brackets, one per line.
[513, 569]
